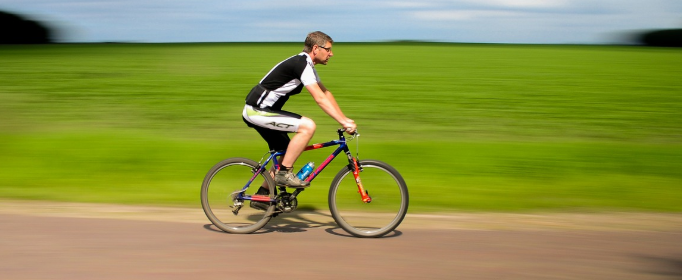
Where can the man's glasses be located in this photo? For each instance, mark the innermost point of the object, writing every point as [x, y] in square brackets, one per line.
[327, 49]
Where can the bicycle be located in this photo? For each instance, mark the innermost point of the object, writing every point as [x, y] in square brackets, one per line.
[224, 193]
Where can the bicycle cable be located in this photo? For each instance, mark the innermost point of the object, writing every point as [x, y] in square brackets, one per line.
[260, 162]
[356, 137]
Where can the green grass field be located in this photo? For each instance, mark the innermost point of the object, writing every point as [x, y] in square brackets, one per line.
[470, 127]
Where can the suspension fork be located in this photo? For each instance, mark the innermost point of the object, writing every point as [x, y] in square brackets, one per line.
[353, 164]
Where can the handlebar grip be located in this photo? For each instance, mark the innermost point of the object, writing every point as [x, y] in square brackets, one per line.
[342, 130]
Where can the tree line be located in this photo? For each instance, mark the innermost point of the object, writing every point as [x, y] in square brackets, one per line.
[15, 29]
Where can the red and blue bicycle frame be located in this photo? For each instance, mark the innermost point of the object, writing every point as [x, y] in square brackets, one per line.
[343, 146]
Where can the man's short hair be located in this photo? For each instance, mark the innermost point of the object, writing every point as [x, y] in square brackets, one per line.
[316, 38]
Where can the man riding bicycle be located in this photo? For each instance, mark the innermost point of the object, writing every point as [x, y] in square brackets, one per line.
[263, 109]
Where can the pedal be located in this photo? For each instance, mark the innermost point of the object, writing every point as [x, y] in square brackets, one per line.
[235, 211]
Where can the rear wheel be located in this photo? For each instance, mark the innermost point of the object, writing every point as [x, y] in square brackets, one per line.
[227, 178]
[383, 214]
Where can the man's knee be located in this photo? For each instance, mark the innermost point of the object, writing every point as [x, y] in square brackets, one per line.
[307, 125]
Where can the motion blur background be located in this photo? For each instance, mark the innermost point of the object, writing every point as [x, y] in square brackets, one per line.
[496, 105]
[473, 21]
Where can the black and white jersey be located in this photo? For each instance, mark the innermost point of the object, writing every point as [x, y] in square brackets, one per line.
[285, 79]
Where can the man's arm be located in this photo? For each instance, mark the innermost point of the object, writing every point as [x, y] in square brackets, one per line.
[325, 99]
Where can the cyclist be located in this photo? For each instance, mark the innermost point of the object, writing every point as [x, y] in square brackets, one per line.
[263, 109]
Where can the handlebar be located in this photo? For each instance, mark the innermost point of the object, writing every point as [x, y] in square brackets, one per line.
[340, 131]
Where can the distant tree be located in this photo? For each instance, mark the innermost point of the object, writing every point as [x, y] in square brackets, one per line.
[16, 30]
[662, 38]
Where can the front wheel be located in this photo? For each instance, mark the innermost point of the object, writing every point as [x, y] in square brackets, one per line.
[380, 216]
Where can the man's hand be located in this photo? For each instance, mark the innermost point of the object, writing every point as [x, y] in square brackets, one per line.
[350, 126]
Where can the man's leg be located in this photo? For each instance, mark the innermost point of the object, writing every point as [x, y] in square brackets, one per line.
[285, 176]
[263, 119]
[306, 130]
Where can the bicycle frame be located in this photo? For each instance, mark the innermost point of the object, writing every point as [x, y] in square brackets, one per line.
[343, 146]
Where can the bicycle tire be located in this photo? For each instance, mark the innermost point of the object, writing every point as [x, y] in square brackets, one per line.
[390, 200]
[224, 179]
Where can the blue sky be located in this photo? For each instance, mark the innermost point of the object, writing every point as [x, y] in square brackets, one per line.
[482, 21]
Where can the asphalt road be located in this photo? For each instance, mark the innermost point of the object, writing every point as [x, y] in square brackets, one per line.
[310, 246]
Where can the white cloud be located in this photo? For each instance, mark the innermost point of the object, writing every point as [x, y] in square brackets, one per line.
[522, 3]
[279, 24]
[410, 4]
[462, 15]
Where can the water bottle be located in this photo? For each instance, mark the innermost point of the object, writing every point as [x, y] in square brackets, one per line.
[305, 171]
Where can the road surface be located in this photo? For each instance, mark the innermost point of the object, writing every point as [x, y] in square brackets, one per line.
[46, 240]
